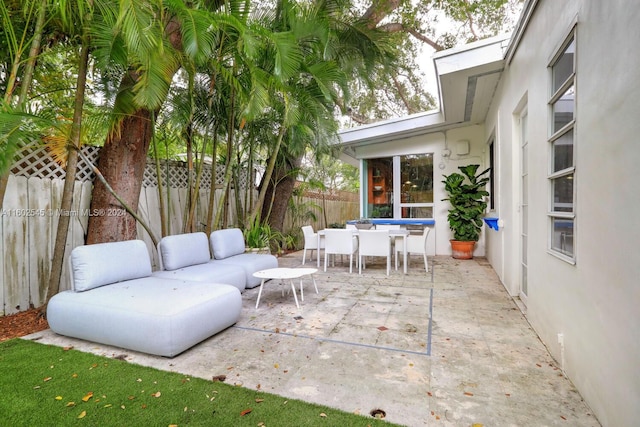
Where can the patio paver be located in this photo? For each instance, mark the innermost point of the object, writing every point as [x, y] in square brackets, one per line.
[455, 352]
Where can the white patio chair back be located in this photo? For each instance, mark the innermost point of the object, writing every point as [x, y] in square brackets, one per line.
[351, 227]
[374, 243]
[415, 245]
[338, 241]
[310, 242]
[387, 226]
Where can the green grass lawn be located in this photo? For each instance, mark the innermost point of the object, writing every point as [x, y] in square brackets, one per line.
[43, 385]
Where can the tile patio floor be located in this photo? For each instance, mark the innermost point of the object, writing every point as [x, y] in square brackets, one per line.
[453, 352]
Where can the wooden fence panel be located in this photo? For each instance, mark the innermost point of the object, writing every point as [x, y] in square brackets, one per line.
[15, 238]
[78, 223]
[40, 240]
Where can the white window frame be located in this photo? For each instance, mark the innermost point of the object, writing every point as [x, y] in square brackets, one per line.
[570, 172]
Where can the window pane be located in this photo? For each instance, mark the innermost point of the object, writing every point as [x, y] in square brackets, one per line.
[562, 239]
[417, 212]
[563, 194]
[563, 68]
[563, 152]
[416, 172]
[380, 188]
[563, 109]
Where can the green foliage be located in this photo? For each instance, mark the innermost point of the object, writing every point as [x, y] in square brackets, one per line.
[261, 235]
[466, 196]
[47, 383]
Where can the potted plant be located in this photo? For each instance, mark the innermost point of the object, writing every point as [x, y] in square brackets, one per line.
[467, 198]
[363, 224]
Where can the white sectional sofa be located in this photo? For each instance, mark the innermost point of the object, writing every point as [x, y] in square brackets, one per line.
[228, 248]
[115, 300]
[187, 257]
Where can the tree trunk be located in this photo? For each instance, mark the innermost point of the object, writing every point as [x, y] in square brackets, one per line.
[122, 161]
[274, 213]
[57, 263]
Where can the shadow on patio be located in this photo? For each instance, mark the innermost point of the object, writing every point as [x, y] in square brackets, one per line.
[453, 352]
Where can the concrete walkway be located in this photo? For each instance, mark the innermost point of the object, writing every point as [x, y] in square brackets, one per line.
[453, 352]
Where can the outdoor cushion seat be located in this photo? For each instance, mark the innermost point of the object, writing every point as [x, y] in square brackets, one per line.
[116, 301]
[187, 257]
[228, 248]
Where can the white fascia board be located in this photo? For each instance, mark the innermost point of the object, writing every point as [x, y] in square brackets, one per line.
[391, 128]
[471, 55]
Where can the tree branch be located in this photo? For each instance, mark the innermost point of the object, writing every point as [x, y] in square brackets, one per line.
[397, 27]
[400, 90]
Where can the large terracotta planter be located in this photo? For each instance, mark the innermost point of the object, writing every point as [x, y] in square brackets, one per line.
[462, 249]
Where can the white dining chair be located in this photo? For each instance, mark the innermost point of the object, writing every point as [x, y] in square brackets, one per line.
[310, 242]
[390, 227]
[387, 226]
[416, 244]
[374, 243]
[339, 241]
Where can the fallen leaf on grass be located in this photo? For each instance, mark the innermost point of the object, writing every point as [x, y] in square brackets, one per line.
[87, 396]
[156, 394]
[46, 379]
[58, 397]
[323, 415]
[69, 404]
[245, 412]
[259, 400]
[82, 414]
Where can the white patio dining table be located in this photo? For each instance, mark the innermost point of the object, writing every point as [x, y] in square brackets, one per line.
[392, 235]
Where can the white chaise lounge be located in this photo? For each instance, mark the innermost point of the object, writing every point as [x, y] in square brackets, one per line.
[116, 301]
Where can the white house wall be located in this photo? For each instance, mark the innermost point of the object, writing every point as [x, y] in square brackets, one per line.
[436, 143]
[595, 303]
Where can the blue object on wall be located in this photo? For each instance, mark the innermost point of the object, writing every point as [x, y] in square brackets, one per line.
[398, 221]
[492, 222]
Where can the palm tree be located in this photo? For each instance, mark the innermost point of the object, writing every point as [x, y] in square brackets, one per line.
[333, 48]
[154, 38]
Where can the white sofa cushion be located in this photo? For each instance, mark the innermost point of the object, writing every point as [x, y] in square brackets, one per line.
[250, 263]
[101, 264]
[208, 272]
[153, 315]
[227, 243]
[183, 250]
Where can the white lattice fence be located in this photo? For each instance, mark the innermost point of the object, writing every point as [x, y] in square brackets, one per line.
[30, 214]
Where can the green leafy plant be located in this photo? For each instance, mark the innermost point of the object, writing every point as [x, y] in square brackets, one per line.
[466, 195]
[263, 236]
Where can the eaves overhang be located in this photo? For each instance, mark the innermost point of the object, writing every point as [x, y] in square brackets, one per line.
[467, 79]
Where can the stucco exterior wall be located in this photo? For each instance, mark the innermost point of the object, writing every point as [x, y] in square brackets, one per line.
[595, 302]
[436, 143]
